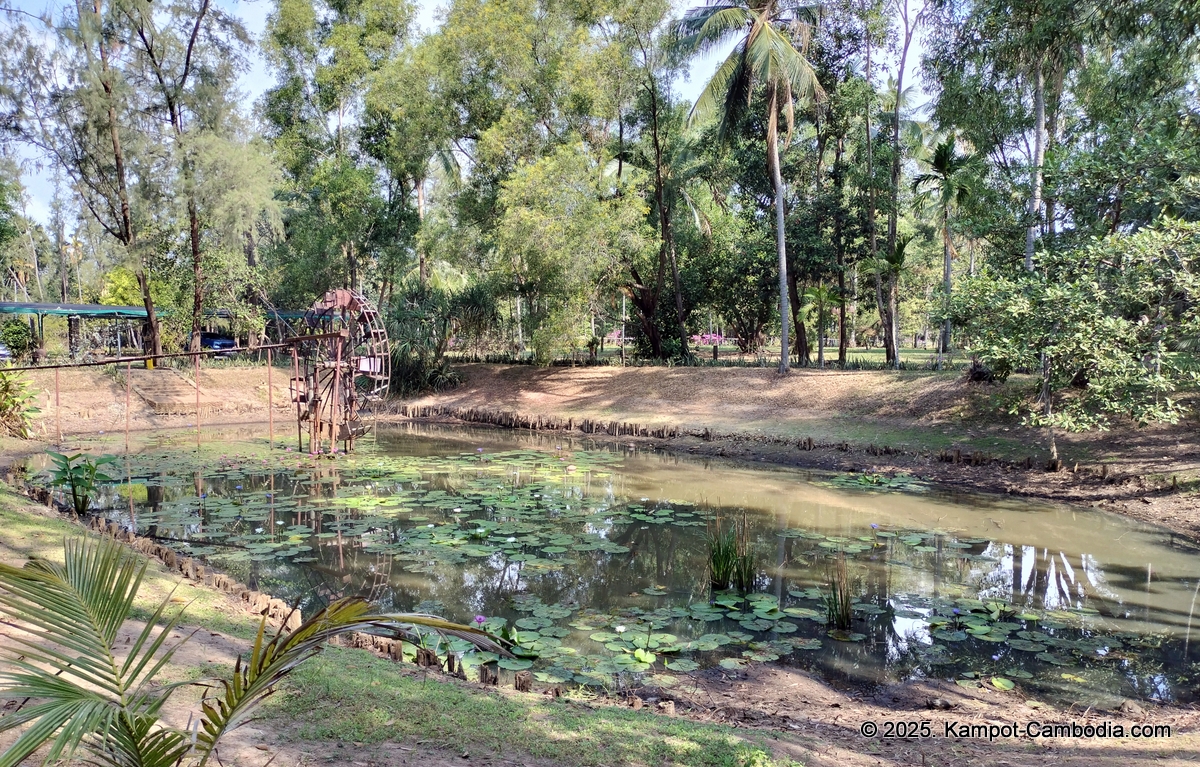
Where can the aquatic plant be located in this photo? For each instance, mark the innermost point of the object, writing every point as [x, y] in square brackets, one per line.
[88, 700]
[81, 475]
[722, 555]
[730, 561]
[838, 612]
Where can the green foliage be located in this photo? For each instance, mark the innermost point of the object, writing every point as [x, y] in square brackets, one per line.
[81, 475]
[559, 239]
[1106, 325]
[424, 321]
[102, 694]
[16, 410]
[17, 337]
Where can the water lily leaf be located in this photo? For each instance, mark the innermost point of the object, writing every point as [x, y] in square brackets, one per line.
[950, 636]
[732, 663]
[1000, 683]
[970, 684]
[1018, 673]
[846, 636]
[807, 644]
[644, 656]
[683, 665]
[1056, 660]
[1025, 644]
[515, 664]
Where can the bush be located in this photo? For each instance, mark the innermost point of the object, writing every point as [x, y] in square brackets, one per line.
[17, 336]
[16, 412]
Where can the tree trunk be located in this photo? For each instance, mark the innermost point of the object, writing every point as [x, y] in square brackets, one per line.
[197, 273]
[852, 335]
[422, 267]
[667, 241]
[780, 245]
[1039, 148]
[873, 246]
[890, 338]
[947, 265]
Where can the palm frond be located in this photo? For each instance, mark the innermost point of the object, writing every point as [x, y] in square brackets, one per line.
[773, 58]
[711, 26]
[270, 661]
[74, 613]
[726, 92]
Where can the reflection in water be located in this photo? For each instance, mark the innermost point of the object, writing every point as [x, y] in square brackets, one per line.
[476, 521]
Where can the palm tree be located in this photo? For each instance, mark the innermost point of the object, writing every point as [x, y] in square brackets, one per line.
[93, 691]
[822, 297]
[952, 176]
[765, 54]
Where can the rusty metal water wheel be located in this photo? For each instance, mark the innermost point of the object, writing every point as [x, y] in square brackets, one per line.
[340, 361]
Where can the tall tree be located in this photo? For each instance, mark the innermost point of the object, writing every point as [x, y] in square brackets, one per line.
[72, 102]
[950, 177]
[769, 51]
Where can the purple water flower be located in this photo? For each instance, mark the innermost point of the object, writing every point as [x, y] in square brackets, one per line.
[237, 487]
[874, 526]
[957, 611]
[478, 450]
[480, 619]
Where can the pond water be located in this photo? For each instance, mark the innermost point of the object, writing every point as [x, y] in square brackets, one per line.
[596, 557]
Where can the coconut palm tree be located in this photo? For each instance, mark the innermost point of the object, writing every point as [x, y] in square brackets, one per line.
[771, 37]
[87, 689]
[951, 176]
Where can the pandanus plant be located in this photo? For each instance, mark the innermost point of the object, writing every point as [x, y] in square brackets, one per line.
[84, 689]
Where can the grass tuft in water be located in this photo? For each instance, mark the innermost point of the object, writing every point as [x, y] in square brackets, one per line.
[838, 612]
[722, 554]
[730, 560]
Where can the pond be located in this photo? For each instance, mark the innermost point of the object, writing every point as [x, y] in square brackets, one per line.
[595, 559]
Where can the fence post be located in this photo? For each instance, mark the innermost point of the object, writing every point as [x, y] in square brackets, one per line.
[127, 385]
[196, 357]
[270, 406]
[57, 411]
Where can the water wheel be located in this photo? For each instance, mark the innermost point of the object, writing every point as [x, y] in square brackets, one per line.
[340, 361]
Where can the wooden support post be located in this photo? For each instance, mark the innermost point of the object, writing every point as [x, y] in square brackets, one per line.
[335, 407]
[296, 396]
[127, 399]
[57, 411]
[196, 359]
[270, 406]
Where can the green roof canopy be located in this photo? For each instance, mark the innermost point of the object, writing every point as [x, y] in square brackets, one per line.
[95, 311]
[104, 312]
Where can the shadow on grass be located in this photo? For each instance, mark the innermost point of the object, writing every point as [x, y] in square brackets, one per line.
[347, 695]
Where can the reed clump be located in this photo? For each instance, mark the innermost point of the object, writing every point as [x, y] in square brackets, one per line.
[730, 559]
[838, 612]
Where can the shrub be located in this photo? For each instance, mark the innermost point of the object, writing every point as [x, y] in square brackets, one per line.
[17, 336]
[16, 412]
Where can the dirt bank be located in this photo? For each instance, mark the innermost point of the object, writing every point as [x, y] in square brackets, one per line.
[934, 426]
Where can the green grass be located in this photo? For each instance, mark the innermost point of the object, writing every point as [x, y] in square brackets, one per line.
[351, 696]
[30, 531]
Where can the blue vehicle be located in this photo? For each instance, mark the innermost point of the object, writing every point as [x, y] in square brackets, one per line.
[217, 342]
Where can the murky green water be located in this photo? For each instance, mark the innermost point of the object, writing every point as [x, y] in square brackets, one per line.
[596, 557]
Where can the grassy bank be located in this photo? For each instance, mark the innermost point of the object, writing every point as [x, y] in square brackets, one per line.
[347, 696]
